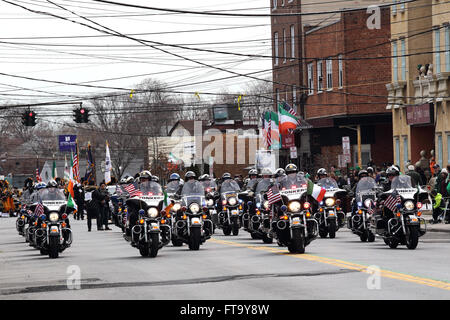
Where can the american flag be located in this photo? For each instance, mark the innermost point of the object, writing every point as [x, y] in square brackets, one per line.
[289, 109]
[39, 210]
[273, 195]
[131, 189]
[38, 176]
[76, 168]
[392, 201]
[371, 208]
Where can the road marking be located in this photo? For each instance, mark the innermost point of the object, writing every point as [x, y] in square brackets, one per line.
[345, 264]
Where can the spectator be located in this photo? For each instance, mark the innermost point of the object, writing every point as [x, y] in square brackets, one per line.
[416, 179]
[442, 183]
[437, 210]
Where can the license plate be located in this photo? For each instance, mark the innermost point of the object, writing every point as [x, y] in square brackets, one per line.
[234, 212]
[296, 221]
[155, 226]
[331, 213]
[196, 221]
[54, 230]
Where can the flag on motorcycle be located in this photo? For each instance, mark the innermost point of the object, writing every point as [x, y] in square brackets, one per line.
[107, 165]
[393, 200]
[39, 210]
[54, 172]
[273, 195]
[131, 189]
[371, 208]
[38, 176]
[166, 205]
[315, 191]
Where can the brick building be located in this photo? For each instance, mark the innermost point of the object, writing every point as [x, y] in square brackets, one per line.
[300, 44]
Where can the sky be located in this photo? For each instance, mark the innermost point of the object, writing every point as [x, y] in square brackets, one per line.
[45, 47]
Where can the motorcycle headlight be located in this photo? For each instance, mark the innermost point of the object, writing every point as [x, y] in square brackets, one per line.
[409, 205]
[294, 206]
[266, 205]
[176, 207]
[152, 212]
[209, 202]
[53, 217]
[367, 203]
[329, 202]
[232, 201]
[194, 207]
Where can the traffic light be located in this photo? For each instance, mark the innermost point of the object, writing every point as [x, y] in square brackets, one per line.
[81, 115]
[29, 118]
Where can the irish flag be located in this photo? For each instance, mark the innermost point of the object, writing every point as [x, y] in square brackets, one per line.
[274, 131]
[70, 199]
[287, 120]
[315, 191]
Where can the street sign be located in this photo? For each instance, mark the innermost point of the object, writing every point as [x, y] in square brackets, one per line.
[293, 152]
[346, 145]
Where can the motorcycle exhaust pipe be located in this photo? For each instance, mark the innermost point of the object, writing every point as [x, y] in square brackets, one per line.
[180, 224]
[40, 233]
[255, 219]
[281, 225]
[137, 229]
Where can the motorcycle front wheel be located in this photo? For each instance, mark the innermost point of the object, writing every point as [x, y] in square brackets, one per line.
[297, 242]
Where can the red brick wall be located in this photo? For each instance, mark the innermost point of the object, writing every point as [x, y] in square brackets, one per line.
[362, 77]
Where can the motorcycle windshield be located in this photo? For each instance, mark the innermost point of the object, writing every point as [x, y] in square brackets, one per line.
[172, 186]
[150, 188]
[192, 188]
[366, 184]
[51, 194]
[293, 181]
[251, 184]
[209, 185]
[229, 186]
[188, 200]
[263, 185]
[328, 183]
[401, 182]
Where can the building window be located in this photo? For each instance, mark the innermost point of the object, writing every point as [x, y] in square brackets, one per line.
[403, 44]
[277, 91]
[292, 42]
[395, 60]
[319, 76]
[397, 151]
[294, 95]
[448, 148]
[282, 3]
[274, 4]
[447, 48]
[394, 7]
[284, 46]
[330, 74]
[437, 47]
[310, 78]
[275, 39]
[440, 151]
[402, 6]
[341, 72]
[405, 150]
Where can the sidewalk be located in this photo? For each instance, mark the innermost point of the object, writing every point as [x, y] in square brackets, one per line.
[440, 227]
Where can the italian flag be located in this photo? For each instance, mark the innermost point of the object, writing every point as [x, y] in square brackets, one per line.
[166, 206]
[287, 120]
[315, 191]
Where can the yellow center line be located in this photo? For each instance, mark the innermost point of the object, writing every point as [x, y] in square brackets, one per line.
[344, 264]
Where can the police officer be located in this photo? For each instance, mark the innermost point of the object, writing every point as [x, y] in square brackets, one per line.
[78, 192]
[100, 199]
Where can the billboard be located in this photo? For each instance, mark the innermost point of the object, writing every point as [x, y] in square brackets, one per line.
[226, 112]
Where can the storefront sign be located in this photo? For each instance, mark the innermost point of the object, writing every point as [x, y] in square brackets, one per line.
[288, 141]
[421, 114]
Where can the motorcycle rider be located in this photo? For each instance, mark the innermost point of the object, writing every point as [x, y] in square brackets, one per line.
[391, 173]
[280, 173]
[321, 173]
[144, 178]
[253, 176]
[54, 194]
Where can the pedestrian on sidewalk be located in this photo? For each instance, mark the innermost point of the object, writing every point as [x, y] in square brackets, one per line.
[437, 210]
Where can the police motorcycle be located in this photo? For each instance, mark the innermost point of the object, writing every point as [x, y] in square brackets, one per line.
[231, 211]
[33, 219]
[248, 195]
[150, 232]
[24, 214]
[192, 225]
[260, 221]
[362, 209]
[53, 234]
[294, 226]
[211, 195]
[119, 202]
[172, 187]
[403, 225]
[329, 213]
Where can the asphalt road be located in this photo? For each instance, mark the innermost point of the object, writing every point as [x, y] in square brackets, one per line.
[225, 268]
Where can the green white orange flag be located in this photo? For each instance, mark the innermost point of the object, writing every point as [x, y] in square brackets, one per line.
[315, 191]
[70, 199]
[274, 131]
[287, 120]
